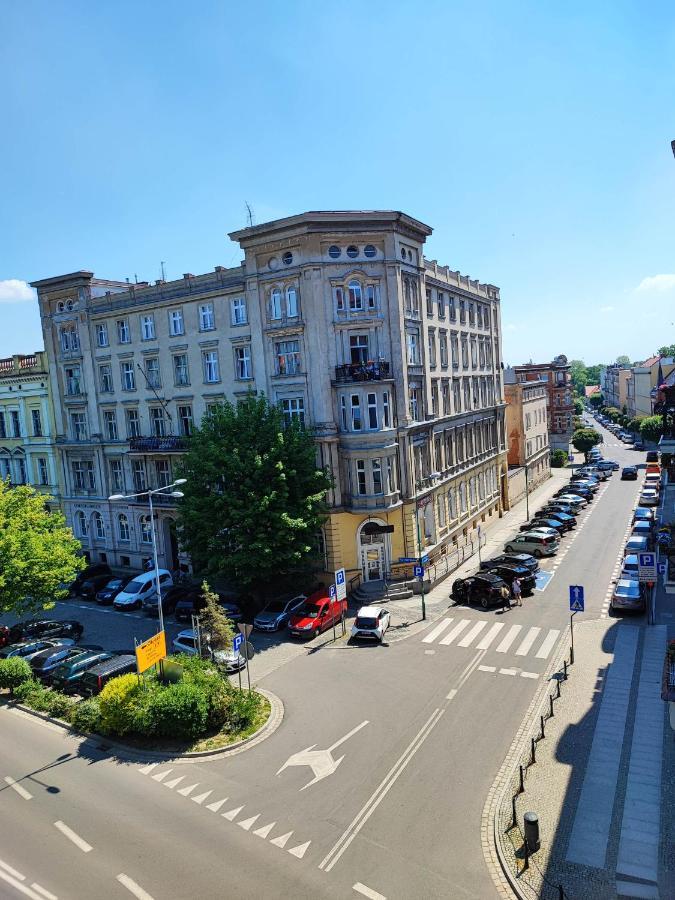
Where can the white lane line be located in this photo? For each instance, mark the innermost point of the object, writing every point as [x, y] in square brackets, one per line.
[510, 637]
[471, 634]
[367, 892]
[379, 793]
[529, 675]
[485, 641]
[15, 786]
[72, 836]
[43, 892]
[508, 671]
[547, 645]
[435, 632]
[21, 888]
[452, 694]
[458, 629]
[530, 638]
[487, 668]
[11, 871]
[132, 887]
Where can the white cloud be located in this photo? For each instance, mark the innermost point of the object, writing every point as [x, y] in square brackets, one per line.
[14, 291]
[606, 309]
[658, 283]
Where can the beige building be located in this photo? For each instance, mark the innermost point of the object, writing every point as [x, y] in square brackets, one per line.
[642, 383]
[529, 453]
[615, 387]
[395, 361]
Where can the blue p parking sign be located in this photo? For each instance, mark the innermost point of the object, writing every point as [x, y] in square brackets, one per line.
[418, 571]
[237, 641]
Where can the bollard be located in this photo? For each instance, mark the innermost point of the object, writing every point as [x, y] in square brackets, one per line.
[565, 668]
[531, 828]
[550, 701]
[571, 655]
[558, 696]
[543, 734]
[522, 780]
[513, 812]
[534, 750]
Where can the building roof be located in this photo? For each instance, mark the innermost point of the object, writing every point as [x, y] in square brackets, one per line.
[648, 363]
[331, 220]
[591, 389]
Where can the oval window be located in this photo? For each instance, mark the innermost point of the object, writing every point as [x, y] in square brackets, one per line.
[352, 251]
[287, 259]
[334, 251]
[369, 250]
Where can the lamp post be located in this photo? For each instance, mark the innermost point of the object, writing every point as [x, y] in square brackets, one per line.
[149, 494]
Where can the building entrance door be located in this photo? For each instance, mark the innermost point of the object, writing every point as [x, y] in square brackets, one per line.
[371, 562]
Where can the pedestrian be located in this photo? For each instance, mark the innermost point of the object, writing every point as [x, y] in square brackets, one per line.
[506, 599]
[517, 591]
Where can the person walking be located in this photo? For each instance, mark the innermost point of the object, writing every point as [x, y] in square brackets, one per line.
[506, 599]
[517, 591]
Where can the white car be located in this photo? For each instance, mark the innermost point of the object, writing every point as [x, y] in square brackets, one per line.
[186, 642]
[142, 587]
[371, 622]
[649, 497]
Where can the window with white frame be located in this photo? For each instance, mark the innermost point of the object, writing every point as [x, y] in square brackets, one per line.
[123, 335]
[162, 473]
[157, 421]
[133, 423]
[357, 422]
[148, 328]
[434, 397]
[275, 304]
[146, 529]
[413, 344]
[43, 473]
[242, 356]
[152, 372]
[287, 357]
[36, 421]
[358, 349]
[443, 348]
[123, 527]
[110, 423]
[116, 476]
[339, 296]
[343, 412]
[414, 403]
[99, 526]
[105, 378]
[128, 376]
[445, 397]
[386, 412]
[355, 296]
[81, 519]
[21, 467]
[5, 468]
[430, 302]
[181, 375]
[293, 409]
[372, 411]
[238, 311]
[211, 367]
[441, 305]
[78, 425]
[361, 476]
[391, 475]
[102, 334]
[441, 511]
[69, 338]
[138, 475]
[185, 420]
[291, 302]
[207, 321]
[73, 379]
[371, 296]
[83, 475]
[176, 324]
[432, 347]
[376, 465]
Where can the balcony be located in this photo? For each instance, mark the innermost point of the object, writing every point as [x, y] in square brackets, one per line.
[162, 500]
[370, 371]
[167, 444]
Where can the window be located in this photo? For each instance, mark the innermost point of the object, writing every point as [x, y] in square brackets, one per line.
[291, 302]
[238, 311]
[3, 426]
[465, 353]
[456, 395]
[70, 339]
[432, 348]
[454, 348]
[287, 357]
[287, 259]
[445, 397]
[73, 382]
[21, 466]
[83, 475]
[452, 312]
[355, 296]
[474, 354]
[242, 357]
[357, 424]
[434, 397]
[5, 468]
[443, 345]
[358, 349]
[152, 372]
[78, 424]
[413, 348]
[37, 422]
[275, 304]
[181, 375]
[339, 295]
[185, 420]
[133, 423]
[81, 520]
[99, 527]
[207, 320]
[146, 529]
[43, 474]
[386, 415]
[343, 412]
[162, 472]
[361, 476]
[441, 305]
[211, 367]
[123, 527]
[110, 421]
[147, 328]
[102, 335]
[128, 376]
[138, 474]
[123, 336]
[377, 475]
[293, 408]
[414, 404]
[157, 421]
[334, 252]
[430, 303]
[176, 325]
[371, 296]
[391, 476]
[372, 410]
[116, 476]
[105, 379]
[369, 251]
[352, 251]
[440, 506]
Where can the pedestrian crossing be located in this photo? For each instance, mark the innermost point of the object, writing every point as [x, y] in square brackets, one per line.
[519, 639]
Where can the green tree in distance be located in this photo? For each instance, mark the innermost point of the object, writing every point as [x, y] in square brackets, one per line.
[595, 400]
[668, 350]
[584, 439]
[38, 552]
[558, 459]
[578, 375]
[255, 498]
[651, 428]
[578, 407]
[623, 360]
[593, 374]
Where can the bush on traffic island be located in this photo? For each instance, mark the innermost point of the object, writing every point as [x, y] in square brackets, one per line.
[120, 702]
[86, 715]
[14, 671]
[42, 699]
[178, 710]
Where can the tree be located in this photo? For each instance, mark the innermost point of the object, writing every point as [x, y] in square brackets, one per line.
[578, 407]
[558, 459]
[668, 350]
[38, 552]
[578, 375]
[613, 413]
[593, 374]
[595, 400]
[634, 423]
[255, 499]
[651, 428]
[214, 623]
[623, 360]
[584, 439]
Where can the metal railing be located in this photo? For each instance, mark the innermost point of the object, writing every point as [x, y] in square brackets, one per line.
[166, 444]
[369, 371]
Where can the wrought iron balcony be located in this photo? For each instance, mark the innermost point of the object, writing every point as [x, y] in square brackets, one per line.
[167, 444]
[370, 371]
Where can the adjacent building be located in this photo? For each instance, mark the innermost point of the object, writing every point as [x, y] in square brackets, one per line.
[394, 361]
[642, 384]
[558, 380]
[615, 385]
[27, 451]
[529, 453]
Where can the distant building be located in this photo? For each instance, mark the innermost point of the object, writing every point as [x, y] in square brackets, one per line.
[527, 438]
[615, 389]
[591, 389]
[558, 380]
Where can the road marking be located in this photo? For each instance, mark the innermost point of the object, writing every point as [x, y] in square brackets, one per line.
[214, 807]
[379, 793]
[451, 695]
[174, 781]
[200, 798]
[472, 633]
[487, 668]
[132, 887]
[509, 638]
[16, 883]
[265, 830]
[435, 632]
[508, 671]
[300, 850]
[321, 762]
[548, 643]
[232, 814]
[246, 823]
[15, 786]
[72, 836]
[530, 638]
[367, 892]
[487, 639]
[529, 675]
[160, 776]
[186, 791]
[12, 871]
[147, 769]
[43, 892]
[282, 841]
[458, 629]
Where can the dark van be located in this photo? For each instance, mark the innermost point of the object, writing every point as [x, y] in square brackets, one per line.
[95, 679]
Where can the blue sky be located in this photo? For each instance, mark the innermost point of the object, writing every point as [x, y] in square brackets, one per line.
[533, 137]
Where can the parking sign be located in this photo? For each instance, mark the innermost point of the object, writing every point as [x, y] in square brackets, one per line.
[237, 641]
[418, 571]
[341, 584]
[647, 566]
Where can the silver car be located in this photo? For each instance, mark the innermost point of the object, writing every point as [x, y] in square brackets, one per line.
[277, 613]
[628, 594]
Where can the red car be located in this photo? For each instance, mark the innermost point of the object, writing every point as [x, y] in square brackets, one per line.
[316, 614]
[4, 635]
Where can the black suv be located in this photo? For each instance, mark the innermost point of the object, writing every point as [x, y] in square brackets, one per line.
[508, 574]
[567, 520]
[652, 456]
[90, 572]
[95, 679]
[512, 559]
[543, 522]
[90, 587]
[629, 473]
[37, 629]
[485, 588]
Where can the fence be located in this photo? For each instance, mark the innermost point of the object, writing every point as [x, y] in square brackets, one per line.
[442, 565]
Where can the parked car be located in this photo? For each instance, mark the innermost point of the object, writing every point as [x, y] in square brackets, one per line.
[508, 574]
[585, 487]
[110, 590]
[638, 444]
[594, 454]
[643, 514]
[371, 622]
[66, 676]
[642, 528]
[594, 472]
[142, 587]
[511, 559]
[652, 456]
[649, 497]
[636, 544]
[170, 598]
[608, 464]
[186, 642]
[564, 518]
[45, 662]
[192, 603]
[545, 530]
[317, 613]
[277, 613]
[94, 679]
[485, 588]
[555, 506]
[45, 628]
[90, 587]
[630, 567]
[652, 480]
[629, 595]
[536, 544]
[574, 501]
[626, 438]
[28, 649]
[629, 473]
[89, 572]
[536, 523]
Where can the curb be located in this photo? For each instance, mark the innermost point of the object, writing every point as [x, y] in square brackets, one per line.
[134, 754]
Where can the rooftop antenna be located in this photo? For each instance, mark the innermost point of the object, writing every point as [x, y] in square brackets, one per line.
[250, 218]
[162, 264]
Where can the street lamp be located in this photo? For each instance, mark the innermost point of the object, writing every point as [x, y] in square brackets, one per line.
[149, 494]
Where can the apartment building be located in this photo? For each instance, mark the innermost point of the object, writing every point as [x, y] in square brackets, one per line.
[529, 453]
[642, 384]
[615, 386]
[393, 360]
[558, 380]
[27, 452]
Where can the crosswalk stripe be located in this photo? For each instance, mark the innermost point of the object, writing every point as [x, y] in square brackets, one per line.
[458, 629]
[434, 633]
[472, 633]
[548, 643]
[509, 638]
[485, 641]
[530, 638]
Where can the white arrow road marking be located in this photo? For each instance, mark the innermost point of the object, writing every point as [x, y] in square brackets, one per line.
[321, 762]
[72, 836]
[281, 841]
[200, 798]
[232, 814]
[214, 807]
[186, 791]
[160, 776]
[132, 887]
[265, 830]
[15, 786]
[300, 850]
[174, 781]
[246, 823]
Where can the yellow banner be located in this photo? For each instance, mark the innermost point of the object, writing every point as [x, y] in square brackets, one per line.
[151, 651]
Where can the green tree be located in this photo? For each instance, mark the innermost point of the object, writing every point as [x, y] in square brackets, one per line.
[668, 350]
[595, 400]
[623, 360]
[14, 671]
[255, 498]
[38, 552]
[584, 439]
[613, 413]
[578, 375]
[558, 459]
[593, 374]
[634, 424]
[651, 428]
[214, 623]
[578, 407]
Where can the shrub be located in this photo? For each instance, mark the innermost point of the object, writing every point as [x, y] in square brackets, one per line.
[26, 688]
[119, 701]
[244, 708]
[43, 699]
[14, 672]
[86, 715]
[179, 710]
[558, 459]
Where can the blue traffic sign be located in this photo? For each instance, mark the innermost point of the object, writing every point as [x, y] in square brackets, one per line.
[407, 559]
[662, 568]
[424, 559]
[576, 598]
[332, 591]
[237, 641]
[418, 571]
[648, 560]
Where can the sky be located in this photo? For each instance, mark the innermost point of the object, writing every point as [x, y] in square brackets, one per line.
[533, 137]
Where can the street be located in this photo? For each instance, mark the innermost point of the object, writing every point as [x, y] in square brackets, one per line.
[415, 733]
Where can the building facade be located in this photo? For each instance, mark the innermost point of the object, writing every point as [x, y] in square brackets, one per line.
[558, 381]
[393, 360]
[27, 449]
[529, 453]
[643, 382]
[615, 389]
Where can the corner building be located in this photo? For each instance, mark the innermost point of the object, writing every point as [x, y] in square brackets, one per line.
[394, 360]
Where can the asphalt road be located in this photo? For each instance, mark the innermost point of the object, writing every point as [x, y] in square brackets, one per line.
[419, 728]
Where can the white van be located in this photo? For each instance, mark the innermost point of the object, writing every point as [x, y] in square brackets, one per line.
[141, 588]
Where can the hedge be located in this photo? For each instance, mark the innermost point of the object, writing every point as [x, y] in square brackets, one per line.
[14, 671]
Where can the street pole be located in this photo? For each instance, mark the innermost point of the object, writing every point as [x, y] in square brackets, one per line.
[572, 637]
[527, 493]
[419, 550]
[479, 559]
[248, 662]
[154, 555]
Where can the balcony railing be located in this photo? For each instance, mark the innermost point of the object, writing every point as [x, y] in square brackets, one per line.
[370, 371]
[157, 500]
[167, 444]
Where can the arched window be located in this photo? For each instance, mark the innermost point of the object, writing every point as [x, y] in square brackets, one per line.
[99, 527]
[355, 295]
[59, 306]
[291, 302]
[123, 527]
[81, 519]
[275, 304]
[146, 530]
